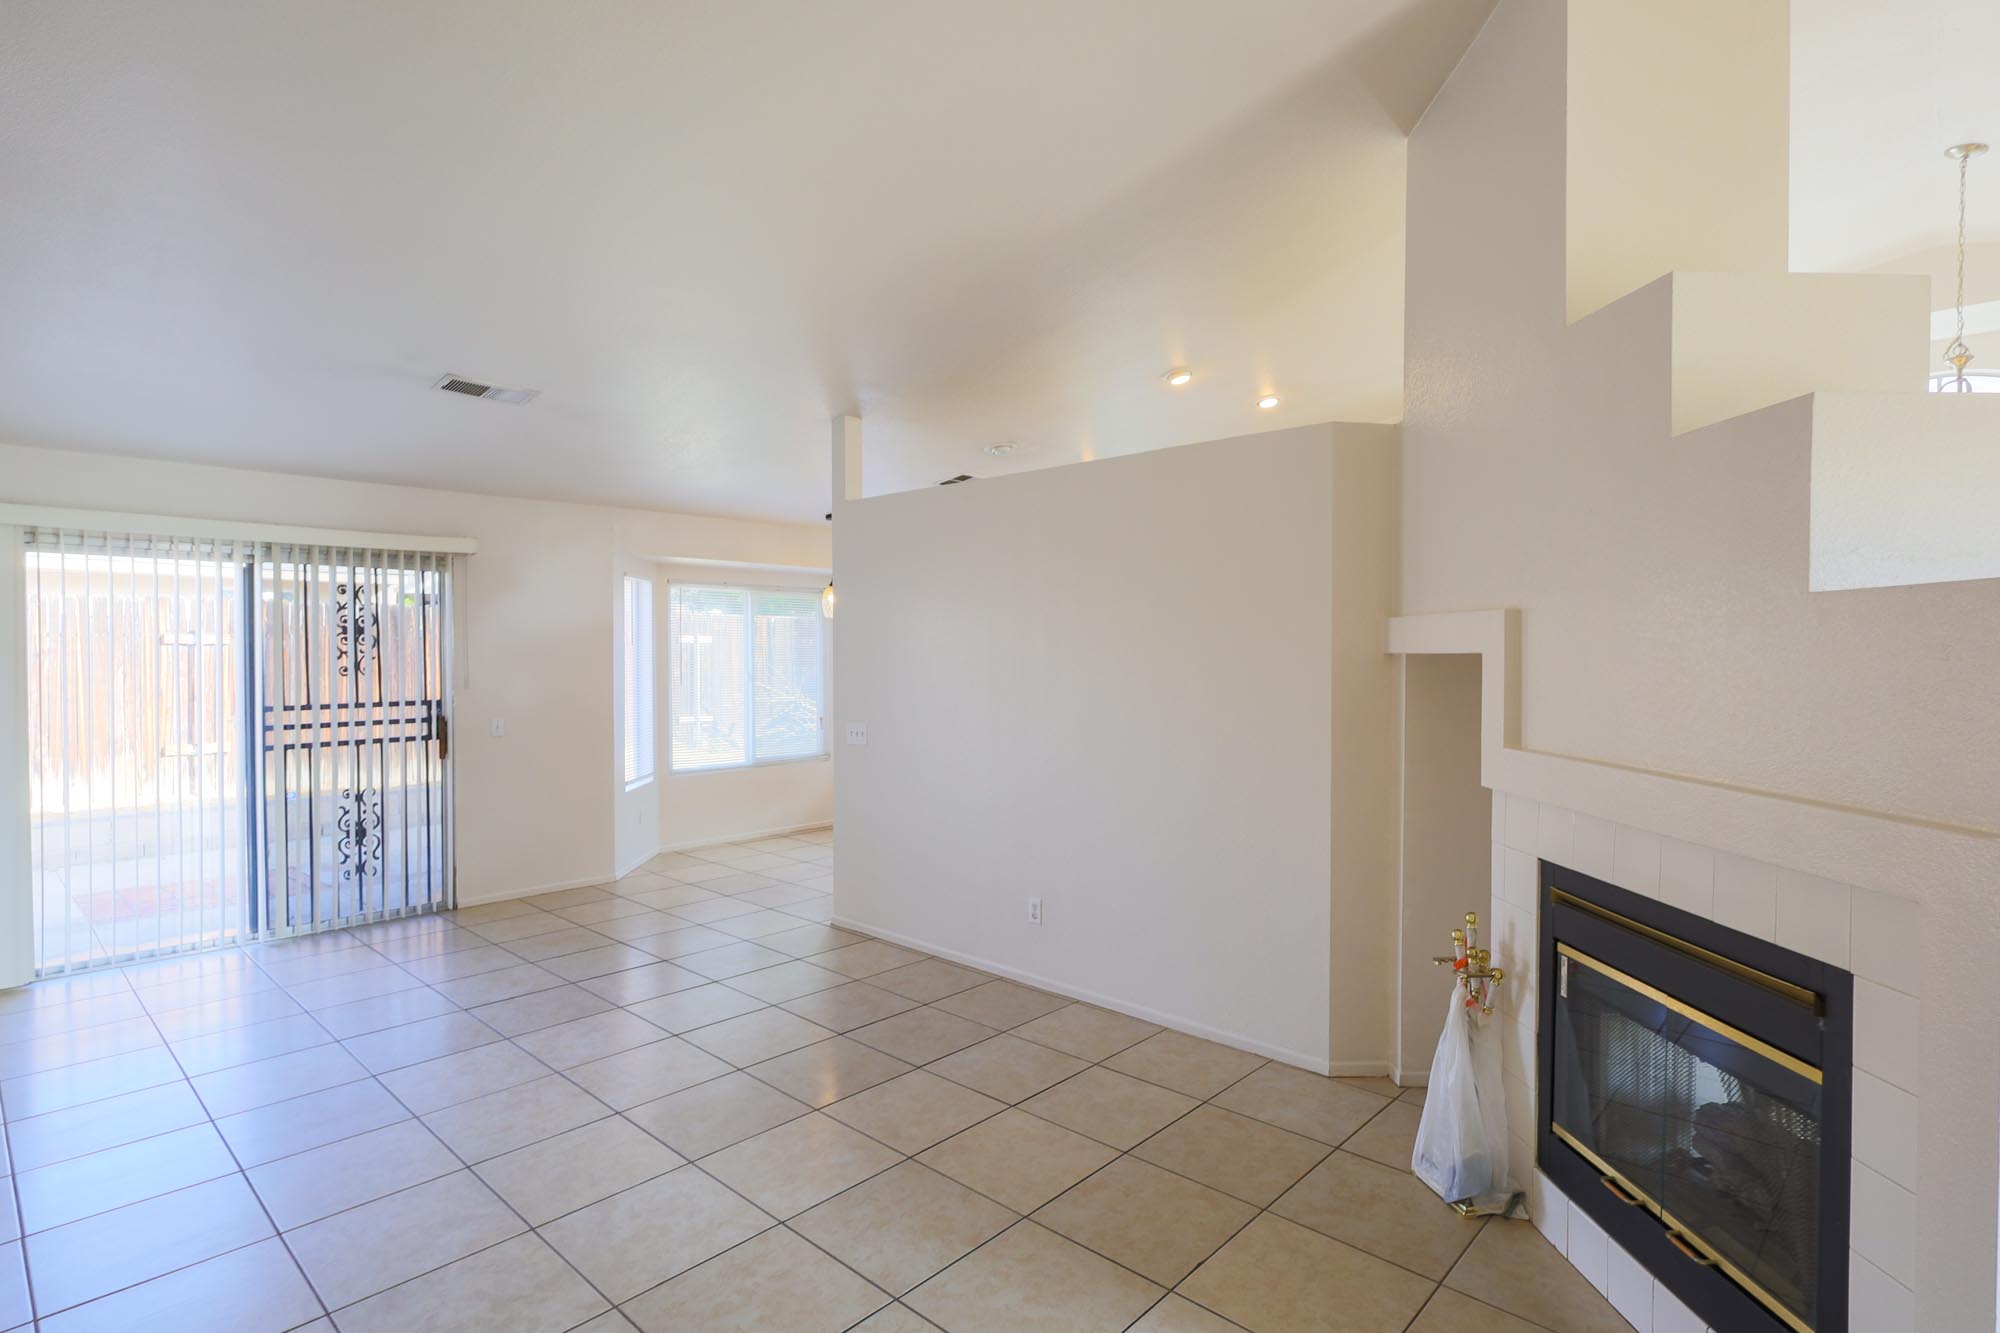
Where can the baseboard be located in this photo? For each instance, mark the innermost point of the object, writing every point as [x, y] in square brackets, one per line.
[531, 891]
[751, 836]
[1316, 1063]
[1362, 1069]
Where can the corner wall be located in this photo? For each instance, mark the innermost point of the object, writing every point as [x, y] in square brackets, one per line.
[1110, 686]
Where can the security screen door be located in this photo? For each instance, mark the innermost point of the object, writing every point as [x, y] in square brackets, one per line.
[229, 740]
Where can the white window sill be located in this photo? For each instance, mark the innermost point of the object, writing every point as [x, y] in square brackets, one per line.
[637, 783]
[738, 768]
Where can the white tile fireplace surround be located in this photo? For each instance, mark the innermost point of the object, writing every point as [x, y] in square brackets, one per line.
[1873, 935]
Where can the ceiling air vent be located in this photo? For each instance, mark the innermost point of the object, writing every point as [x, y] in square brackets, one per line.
[953, 481]
[474, 389]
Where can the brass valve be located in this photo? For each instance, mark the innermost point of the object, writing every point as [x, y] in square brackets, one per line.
[1473, 965]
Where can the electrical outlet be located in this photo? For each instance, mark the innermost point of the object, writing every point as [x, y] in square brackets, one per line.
[1034, 911]
[499, 726]
[857, 733]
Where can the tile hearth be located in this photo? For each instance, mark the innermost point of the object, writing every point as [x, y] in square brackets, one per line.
[683, 1100]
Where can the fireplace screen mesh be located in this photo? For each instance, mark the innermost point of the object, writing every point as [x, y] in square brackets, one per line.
[1713, 1131]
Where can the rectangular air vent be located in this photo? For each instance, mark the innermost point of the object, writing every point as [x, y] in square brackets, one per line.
[474, 389]
[953, 481]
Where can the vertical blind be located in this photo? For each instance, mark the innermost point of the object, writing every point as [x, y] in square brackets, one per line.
[746, 677]
[229, 739]
[638, 680]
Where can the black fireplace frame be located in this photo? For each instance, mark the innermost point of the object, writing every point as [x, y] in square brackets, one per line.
[1820, 1032]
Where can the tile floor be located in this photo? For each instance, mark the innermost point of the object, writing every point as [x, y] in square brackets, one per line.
[683, 1101]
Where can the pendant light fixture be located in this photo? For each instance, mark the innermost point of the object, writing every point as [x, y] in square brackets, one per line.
[826, 600]
[1957, 355]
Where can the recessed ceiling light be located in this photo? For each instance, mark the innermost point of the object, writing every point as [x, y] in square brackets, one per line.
[1002, 449]
[1268, 401]
[1178, 376]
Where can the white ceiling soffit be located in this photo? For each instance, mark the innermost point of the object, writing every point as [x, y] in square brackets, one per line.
[257, 234]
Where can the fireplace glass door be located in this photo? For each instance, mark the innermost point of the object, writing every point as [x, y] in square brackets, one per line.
[1713, 1131]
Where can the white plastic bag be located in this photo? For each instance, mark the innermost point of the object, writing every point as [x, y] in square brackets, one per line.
[1461, 1149]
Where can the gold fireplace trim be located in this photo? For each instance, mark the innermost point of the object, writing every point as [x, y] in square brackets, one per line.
[1686, 1010]
[1791, 991]
[1687, 1242]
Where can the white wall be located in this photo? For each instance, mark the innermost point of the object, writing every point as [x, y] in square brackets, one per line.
[694, 809]
[1109, 685]
[534, 809]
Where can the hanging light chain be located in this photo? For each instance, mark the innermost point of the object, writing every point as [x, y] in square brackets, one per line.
[1957, 355]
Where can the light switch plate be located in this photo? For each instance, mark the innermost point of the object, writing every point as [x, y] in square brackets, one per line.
[857, 733]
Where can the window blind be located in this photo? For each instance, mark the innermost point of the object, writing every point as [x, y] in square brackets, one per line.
[638, 673]
[746, 682]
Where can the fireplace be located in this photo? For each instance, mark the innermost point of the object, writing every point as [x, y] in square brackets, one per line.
[1694, 1101]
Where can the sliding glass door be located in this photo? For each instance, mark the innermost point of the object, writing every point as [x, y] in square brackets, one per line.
[229, 739]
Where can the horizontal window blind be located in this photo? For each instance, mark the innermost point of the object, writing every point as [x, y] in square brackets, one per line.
[746, 677]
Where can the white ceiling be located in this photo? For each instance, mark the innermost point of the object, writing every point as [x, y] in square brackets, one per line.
[255, 234]
[1880, 88]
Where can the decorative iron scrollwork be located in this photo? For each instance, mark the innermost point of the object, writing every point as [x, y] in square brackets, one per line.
[359, 845]
[357, 628]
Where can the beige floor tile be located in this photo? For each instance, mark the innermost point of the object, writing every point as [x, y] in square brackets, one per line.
[386, 1011]
[932, 979]
[732, 960]
[897, 1318]
[598, 962]
[414, 1043]
[280, 1078]
[540, 1009]
[787, 981]
[271, 1132]
[712, 1115]
[257, 1289]
[1030, 1280]
[914, 1111]
[310, 1185]
[1176, 1314]
[757, 924]
[1415, 1095]
[1310, 1104]
[922, 1035]
[1185, 1064]
[867, 959]
[853, 1005]
[67, 1191]
[775, 1283]
[1246, 1158]
[373, 1247]
[808, 940]
[436, 1084]
[1017, 1159]
[514, 1117]
[1381, 1087]
[1280, 1276]
[682, 941]
[492, 987]
[1008, 1068]
[574, 939]
[1152, 1221]
[902, 1226]
[1389, 1213]
[1087, 1032]
[1512, 1267]
[559, 1175]
[641, 925]
[645, 1073]
[646, 982]
[520, 1285]
[787, 1170]
[1390, 1137]
[640, 1237]
[1110, 1107]
[826, 1071]
[1450, 1312]
[98, 1255]
[696, 1007]
[95, 1126]
[755, 1037]
[1001, 1004]
[582, 1040]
